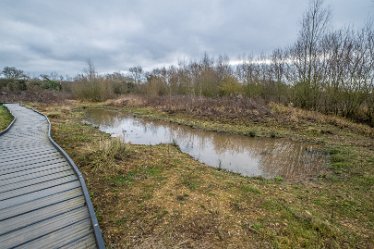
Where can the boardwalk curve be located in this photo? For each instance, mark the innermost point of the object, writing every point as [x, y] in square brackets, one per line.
[44, 202]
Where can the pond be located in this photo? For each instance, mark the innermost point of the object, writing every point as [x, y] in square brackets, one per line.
[266, 157]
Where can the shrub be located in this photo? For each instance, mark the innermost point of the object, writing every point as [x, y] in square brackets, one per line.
[95, 90]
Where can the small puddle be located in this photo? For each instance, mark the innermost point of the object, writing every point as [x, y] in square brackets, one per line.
[248, 156]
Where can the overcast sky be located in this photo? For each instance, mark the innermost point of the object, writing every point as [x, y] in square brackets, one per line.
[41, 36]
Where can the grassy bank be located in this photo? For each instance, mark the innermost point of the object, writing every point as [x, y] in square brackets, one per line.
[5, 117]
[158, 197]
[246, 117]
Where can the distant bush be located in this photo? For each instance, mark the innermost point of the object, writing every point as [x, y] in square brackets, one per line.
[99, 89]
[92, 90]
[230, 86]
[239, 108]
[14, 85]
[34, 95]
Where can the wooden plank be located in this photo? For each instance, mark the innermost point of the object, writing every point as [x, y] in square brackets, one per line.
[5, 169]
[37, 230]
[8, 149]
[19, 137]
[36, 180]
[33, 173]
[36, 187]
[9, 139]
[86, 242]
[79, 235]
[38, 203]
[40, 215]
[20, 144]
[20, 154]
[26, 158]
[4, 172]
[15, 150]
[39, 194]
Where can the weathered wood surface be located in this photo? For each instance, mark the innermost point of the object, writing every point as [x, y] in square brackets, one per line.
[42, 201]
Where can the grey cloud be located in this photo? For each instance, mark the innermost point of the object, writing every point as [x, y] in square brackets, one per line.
[43, 36]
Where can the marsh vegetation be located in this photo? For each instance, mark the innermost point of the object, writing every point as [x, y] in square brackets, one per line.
[156, 195]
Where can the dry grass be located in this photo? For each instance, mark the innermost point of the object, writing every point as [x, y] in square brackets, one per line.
[296, 116]
[40, 96]
[242, 111]
[158, 197]
[238, 109]
[126, 100]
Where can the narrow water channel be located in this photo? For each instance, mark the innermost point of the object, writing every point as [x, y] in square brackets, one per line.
[248, 156]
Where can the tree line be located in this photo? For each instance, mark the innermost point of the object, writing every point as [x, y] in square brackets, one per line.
[327, 70]
[16, 80]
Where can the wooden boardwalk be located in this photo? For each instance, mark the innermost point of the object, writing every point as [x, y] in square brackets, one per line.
[44, 201]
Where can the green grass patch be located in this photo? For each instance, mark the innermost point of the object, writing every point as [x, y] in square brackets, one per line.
[278, 179]
[5, 117]
[135, 175]
[121, 180]
[246, 188]
[191, 181]
[271, 205]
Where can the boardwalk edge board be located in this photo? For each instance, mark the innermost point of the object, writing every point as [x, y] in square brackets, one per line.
[95, 224]
[11, 123]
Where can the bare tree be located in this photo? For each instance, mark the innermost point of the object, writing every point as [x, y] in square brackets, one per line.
[223, 67]
[306, 52]
[90, 71]
[278, 70]
[137, 73]
[12, 73]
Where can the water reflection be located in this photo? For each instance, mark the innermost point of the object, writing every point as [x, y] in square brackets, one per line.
[248, 156]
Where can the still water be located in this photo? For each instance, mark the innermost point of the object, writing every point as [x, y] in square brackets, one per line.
[248, 156]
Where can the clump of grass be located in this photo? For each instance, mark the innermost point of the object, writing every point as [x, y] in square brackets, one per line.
[183, 197]
[131, 176]
[114, 149]
[246, 188]
[271, 205]
[120, 180]
[191, 181]
[257, 227]
[278, 179]
[110, 152]
[251, 133]
[340, 159]
[54, 114]
[273, 134]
